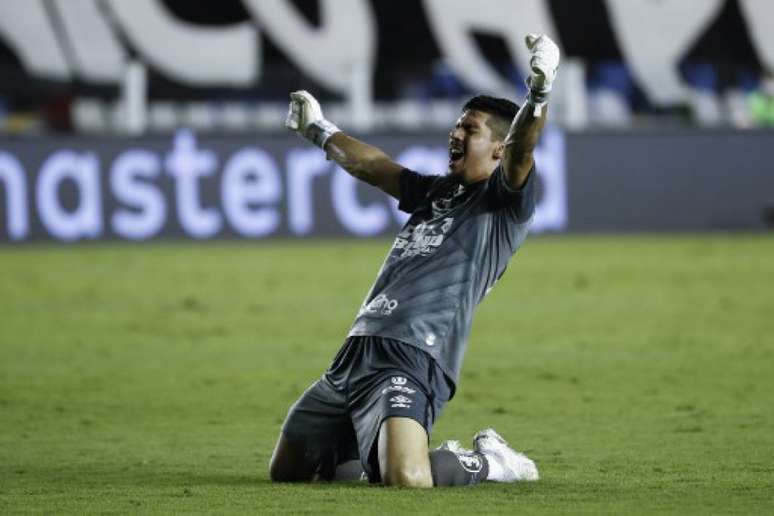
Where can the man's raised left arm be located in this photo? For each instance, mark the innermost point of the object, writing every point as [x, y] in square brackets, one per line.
[529, 121]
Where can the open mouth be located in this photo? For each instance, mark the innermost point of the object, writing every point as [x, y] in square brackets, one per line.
[455, 154]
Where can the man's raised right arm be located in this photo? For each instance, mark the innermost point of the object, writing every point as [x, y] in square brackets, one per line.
[363, 161]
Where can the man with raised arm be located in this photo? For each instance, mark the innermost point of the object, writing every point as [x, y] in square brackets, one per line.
[372, 411]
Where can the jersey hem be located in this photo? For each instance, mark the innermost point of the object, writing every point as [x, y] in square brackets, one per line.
[446, 372]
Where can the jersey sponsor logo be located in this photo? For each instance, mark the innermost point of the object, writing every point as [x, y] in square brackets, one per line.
[398, 388]
[400, 405]
[470, 462]
[445, 202]
[401, 399]
[398, 380]
[421, 239]
[380, 305]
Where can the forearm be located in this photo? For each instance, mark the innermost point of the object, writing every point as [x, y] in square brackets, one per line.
[520, 143]
[364, 161]
[529, 121]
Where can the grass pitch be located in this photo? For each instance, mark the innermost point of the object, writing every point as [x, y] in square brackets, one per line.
[637, 371]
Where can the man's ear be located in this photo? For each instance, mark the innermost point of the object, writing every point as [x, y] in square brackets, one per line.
[499, 150]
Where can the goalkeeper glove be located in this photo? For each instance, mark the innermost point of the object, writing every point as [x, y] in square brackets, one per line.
[305, 117]
[543, 65]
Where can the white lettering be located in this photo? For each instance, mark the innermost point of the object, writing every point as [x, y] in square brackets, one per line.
[759, 14]
[422, 239]
[86, 219]
[655, 35]
[12, 176]
[250, 194]
[99, 56]
[398, 388]
[360, 220]
[303, 165]
[345, 38]
[454, 21]
[26, 28]
[126, 186]
[186, 164]
[250, 177]
[189, 53]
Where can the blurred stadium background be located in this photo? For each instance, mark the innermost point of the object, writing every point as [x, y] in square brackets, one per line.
[114, 128]
[136, 376]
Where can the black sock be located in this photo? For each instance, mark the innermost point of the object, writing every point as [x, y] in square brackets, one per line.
[458, 469]
[447, 467]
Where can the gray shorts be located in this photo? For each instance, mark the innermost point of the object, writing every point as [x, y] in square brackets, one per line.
[372, 378]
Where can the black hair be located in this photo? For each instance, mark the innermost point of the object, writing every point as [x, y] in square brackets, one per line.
[502, 110]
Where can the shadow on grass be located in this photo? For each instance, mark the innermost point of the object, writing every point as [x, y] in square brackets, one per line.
[97, 475]
[176, 478]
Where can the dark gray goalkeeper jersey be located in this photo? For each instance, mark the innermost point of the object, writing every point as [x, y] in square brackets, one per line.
[447, 257]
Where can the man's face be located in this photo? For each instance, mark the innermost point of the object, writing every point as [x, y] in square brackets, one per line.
[471, 147]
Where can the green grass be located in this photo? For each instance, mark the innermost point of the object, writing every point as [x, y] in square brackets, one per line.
[637, 371]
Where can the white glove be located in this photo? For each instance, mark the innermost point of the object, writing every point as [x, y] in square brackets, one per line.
[305, 117]
[543, 65]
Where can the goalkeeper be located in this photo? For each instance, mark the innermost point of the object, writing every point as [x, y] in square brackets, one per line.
[371, 413]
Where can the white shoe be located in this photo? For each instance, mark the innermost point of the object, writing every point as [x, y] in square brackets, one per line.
[454, 447]
[515, 465]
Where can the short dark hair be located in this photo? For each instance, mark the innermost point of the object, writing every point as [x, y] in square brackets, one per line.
[501, 110]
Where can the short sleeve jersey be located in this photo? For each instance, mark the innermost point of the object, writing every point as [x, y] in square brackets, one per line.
[446, 258]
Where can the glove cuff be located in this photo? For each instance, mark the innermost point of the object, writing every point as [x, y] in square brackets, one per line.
[537, 97]
[319, 132]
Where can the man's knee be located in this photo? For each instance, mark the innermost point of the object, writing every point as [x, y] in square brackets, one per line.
[403, 454]
[278, 473]
[279, 470]
[288, 464]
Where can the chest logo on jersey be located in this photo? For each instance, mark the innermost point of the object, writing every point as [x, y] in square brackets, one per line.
[380, 305]
[446, 201]
[421, 239]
